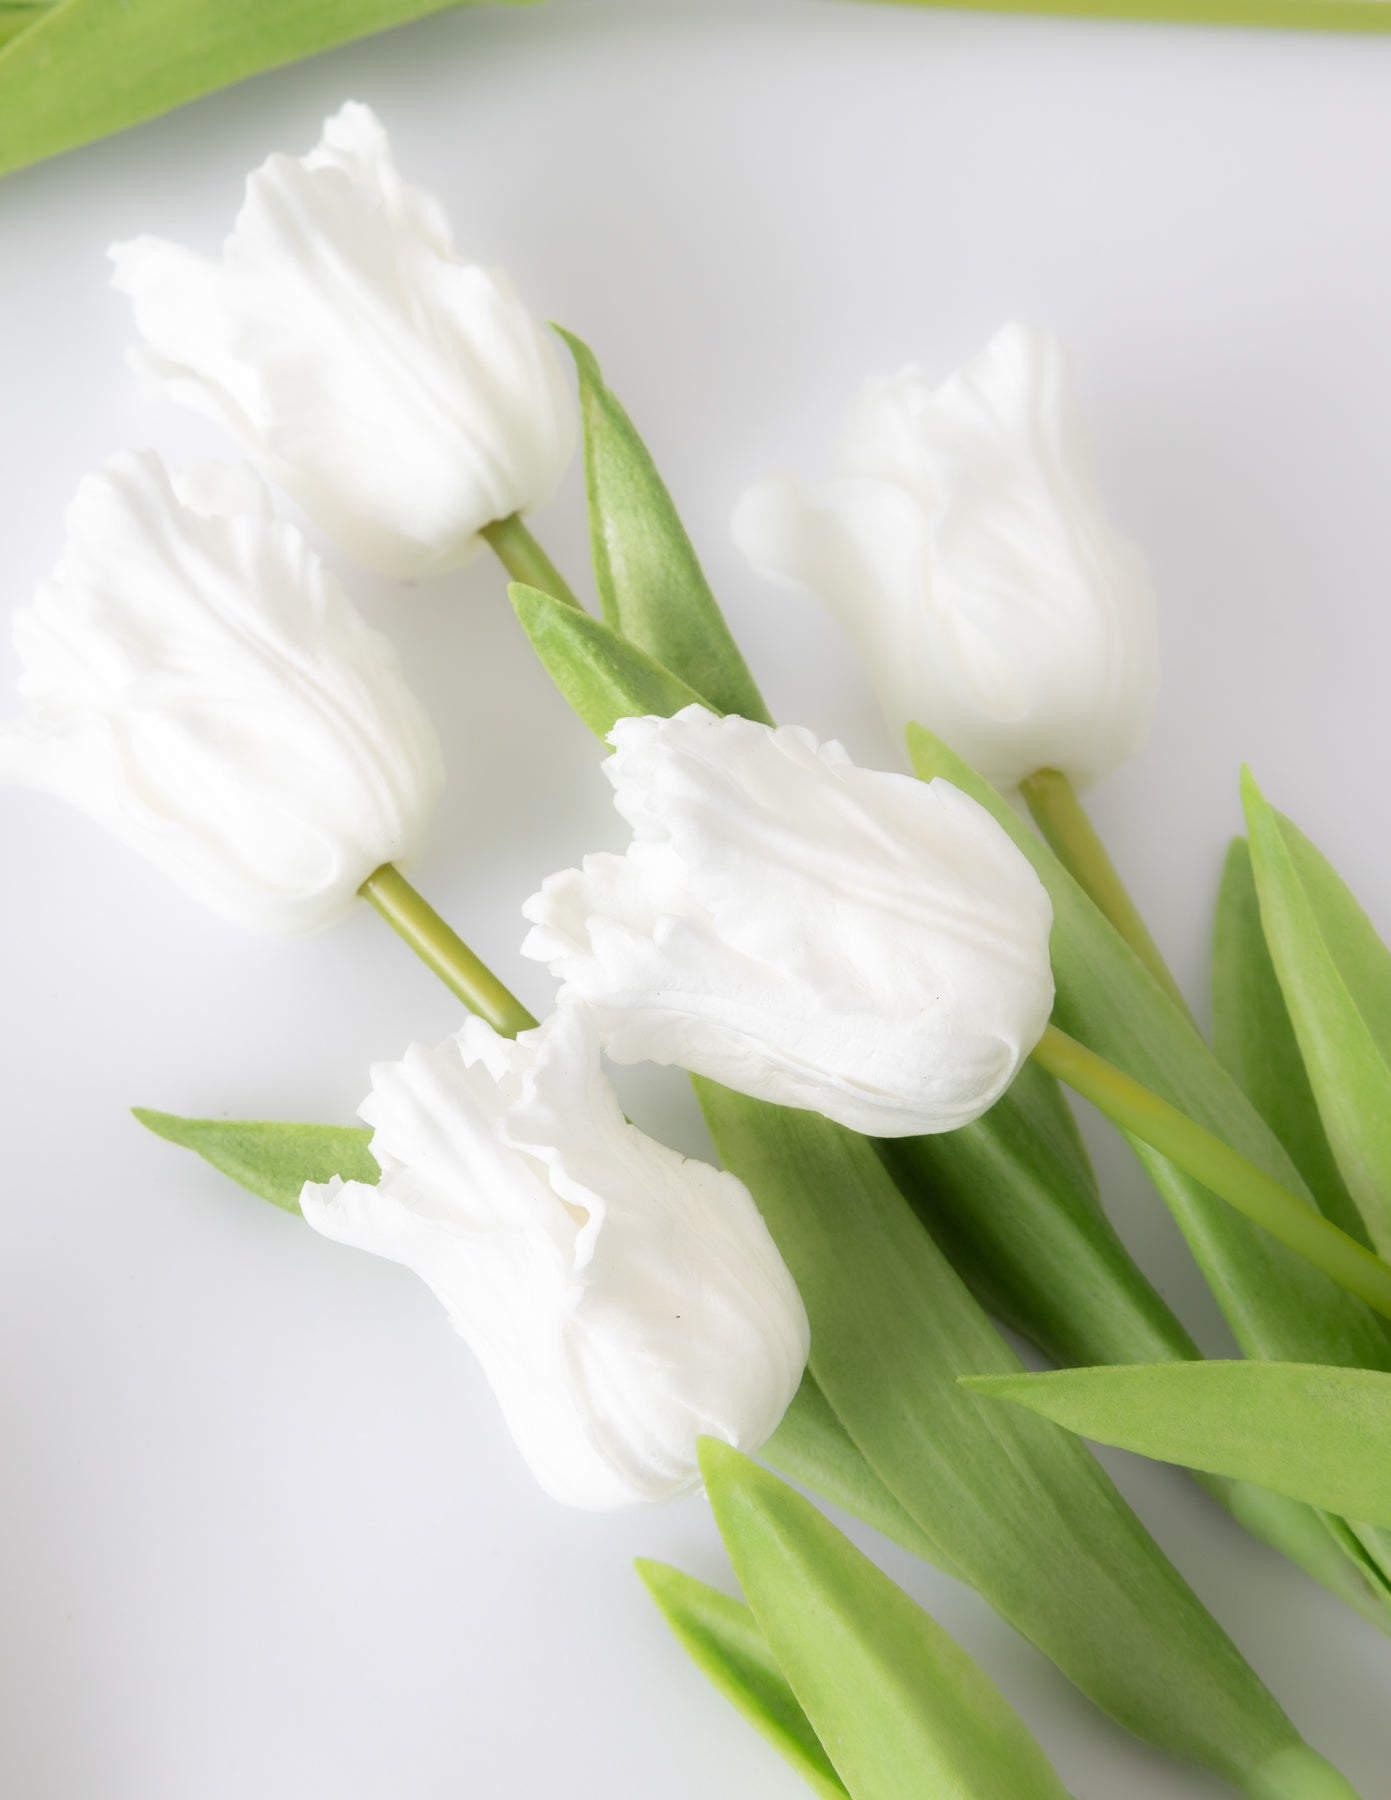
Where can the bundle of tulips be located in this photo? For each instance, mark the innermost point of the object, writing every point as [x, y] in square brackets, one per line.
[879, 981]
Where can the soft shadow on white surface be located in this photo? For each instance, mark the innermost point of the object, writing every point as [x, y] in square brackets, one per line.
[262, 1530]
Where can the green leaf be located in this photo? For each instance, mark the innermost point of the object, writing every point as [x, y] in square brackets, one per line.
[724, 1641]
[603, 676]
[1255, 1042]
[1281, 15]
[270, 1159]
[650, 581]
[19, 15]
[1335, 974]
[901, 1708]
[812, 1446]
[1279, 1306]
[1318, 1434]
[91, 67]
[1013, 1202]
[1028, 1518]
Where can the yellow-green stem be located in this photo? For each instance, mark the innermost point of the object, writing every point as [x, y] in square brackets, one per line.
[1220, 1168]
[441, 949]
[523, 558]
[1072, 837]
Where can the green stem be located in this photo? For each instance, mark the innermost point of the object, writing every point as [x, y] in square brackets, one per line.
[441, 949]
[1070, 834]
[1220, 1168]
[1305, 15]
[524, 559]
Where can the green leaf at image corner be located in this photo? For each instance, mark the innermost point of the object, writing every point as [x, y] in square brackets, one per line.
[723, 1639]
[901, 1709]
[1335, 975]
[651, 585]
[1318, 1434]
[270, 1159]
[91, 67]
[1280, 1307]
[1255, 1042]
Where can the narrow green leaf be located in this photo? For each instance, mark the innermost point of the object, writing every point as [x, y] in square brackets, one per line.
[724, 1640]
[270, 1159]
[1335, 974]
[603, 676]
[1013, 1202]
[1280, 15]
[900, 1707]
[651, 585]
[1321, 1435]
[1279, 1306]
[1255, 1042]
[91, 67]
[19, 15]
[1028, 1518]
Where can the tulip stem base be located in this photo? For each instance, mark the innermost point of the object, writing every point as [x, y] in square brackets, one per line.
[1062, 820]
[442, 950]
[1224, 1171]
[523, 558]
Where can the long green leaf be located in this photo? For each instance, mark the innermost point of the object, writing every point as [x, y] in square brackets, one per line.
[602, 675]
[812, 1446]
[1028, 1518]
[1013, 1202]
[902, 1710]
[1335, 974]
[1321, 1435]
[1279, 1306]
[91, 67]
[1280, 15]
[1255, 1042]
[270, 1159]
[650, 581]
[724, 1640]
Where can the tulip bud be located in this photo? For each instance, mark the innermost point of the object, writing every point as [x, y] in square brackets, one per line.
[964, 547]
[860, 944]
[623, 1300]
[405, 398]
[198, 683]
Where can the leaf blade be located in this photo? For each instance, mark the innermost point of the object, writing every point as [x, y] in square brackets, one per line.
[723, 1639]
[900, 1707]
[1335, 975]
[651, 585]
[268, 1158]
[1319, 1434]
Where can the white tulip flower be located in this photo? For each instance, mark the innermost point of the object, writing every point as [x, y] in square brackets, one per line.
[963, 544]
[861, 944]
[198, 683]
[405, 398]
[623, 1300]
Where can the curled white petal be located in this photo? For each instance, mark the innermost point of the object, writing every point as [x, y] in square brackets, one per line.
[622, 1299]
[197, 682]
[404, 397]
[803, 930]
[964, 546]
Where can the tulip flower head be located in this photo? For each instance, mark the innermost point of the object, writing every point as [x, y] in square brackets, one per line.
[405, 398]
[198, 683]
[963, 545]
[862, 944]
[623, 1300]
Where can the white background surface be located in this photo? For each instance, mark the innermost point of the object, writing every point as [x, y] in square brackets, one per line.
[260, 1530]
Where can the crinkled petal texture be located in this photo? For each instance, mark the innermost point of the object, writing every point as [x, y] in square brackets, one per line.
[622, 1299]
[198, 683]
[405, 398]
[857, 943]
[964, 546]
